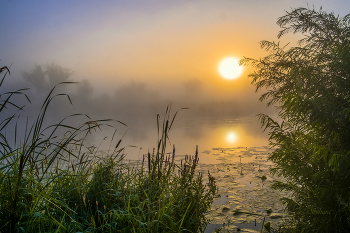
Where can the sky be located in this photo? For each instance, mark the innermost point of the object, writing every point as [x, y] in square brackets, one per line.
[170, 48]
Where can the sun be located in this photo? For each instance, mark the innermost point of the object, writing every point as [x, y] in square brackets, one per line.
[229, 68]
[232, 137]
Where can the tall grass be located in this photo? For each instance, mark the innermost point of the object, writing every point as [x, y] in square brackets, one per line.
[52, 183]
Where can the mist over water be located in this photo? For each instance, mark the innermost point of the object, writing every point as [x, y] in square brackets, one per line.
[207, 121]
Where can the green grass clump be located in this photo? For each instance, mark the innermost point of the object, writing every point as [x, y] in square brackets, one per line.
[50, 183]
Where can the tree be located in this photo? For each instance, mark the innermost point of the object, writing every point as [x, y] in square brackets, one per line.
[310, 86]
[42, 79]
[45, 80]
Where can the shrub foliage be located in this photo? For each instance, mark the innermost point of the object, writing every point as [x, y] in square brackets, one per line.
[310, 86]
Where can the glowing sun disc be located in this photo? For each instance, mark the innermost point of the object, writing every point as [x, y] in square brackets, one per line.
[231, 137]
[229, 68]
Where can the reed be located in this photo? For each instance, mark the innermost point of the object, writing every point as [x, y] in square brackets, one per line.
[52, 183]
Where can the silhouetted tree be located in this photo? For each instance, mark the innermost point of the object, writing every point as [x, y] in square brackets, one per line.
[42, 79]
[45, 79]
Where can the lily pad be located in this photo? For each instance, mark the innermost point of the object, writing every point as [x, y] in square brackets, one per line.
[268, 211]
[275, 216]
[237, 212]
[225, 209]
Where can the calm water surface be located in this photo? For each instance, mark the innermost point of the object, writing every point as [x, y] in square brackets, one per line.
[235, 152]
[208, 134]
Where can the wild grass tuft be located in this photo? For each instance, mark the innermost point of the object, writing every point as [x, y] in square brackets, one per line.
[51, 182]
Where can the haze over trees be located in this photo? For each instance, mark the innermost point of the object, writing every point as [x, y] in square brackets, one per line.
[135, 103]
[310, 86]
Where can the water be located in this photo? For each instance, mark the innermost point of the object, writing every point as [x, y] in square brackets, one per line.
[244, 196]
[207, 133]
[235, 151]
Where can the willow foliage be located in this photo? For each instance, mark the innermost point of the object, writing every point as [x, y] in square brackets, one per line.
[310, 86]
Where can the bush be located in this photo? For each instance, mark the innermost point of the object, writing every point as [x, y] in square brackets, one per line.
[309, 84]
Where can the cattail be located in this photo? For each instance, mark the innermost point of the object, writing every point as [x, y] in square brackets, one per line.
[173, 152]
[149, 162]
[118, 144]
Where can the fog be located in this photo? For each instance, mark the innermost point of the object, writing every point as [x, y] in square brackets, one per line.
[132, 101]
[129, 60]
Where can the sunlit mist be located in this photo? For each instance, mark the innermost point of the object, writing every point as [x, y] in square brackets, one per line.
[229, 68]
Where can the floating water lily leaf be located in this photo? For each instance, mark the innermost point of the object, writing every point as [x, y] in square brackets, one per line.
[225, 209]
[267, 226]
[275, 216]
[237, 212]
[268, 211]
